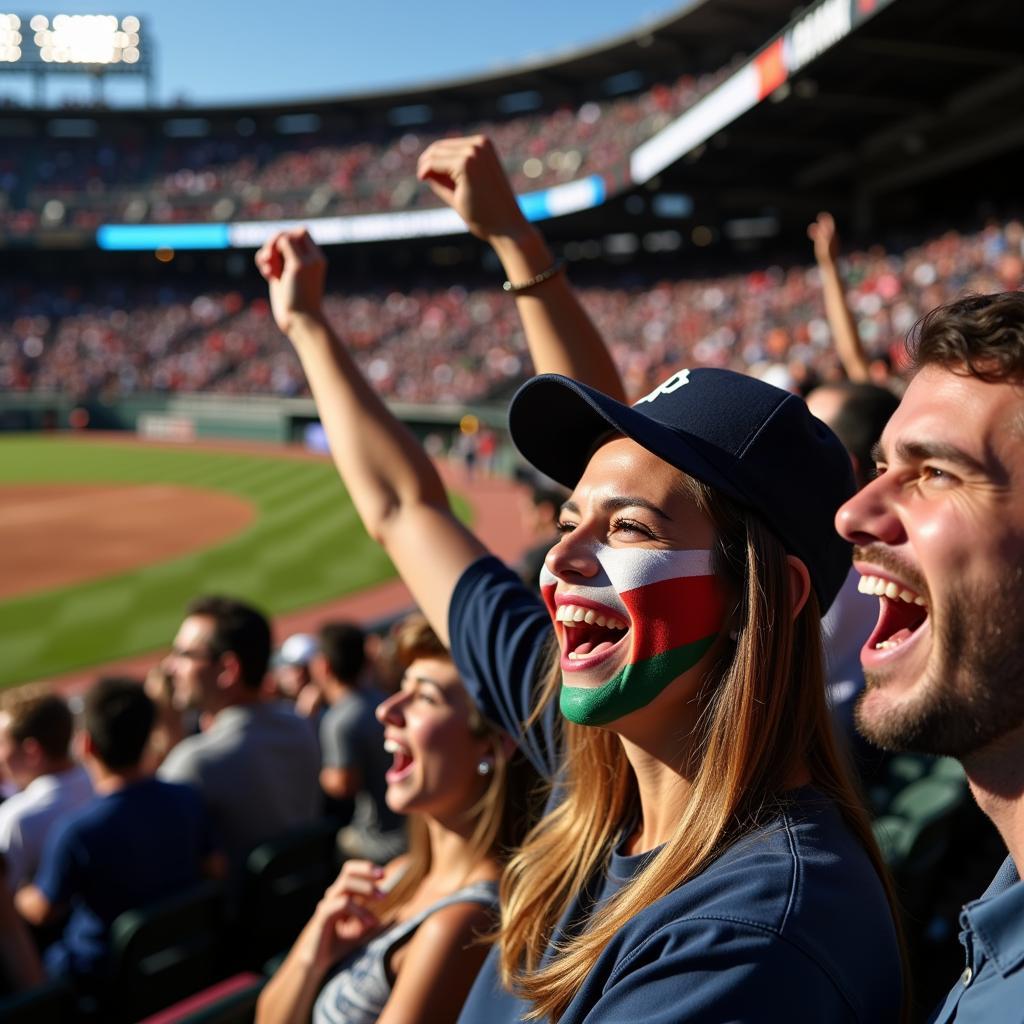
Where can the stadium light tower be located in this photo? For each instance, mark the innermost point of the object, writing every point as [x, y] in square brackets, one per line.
[95, 44]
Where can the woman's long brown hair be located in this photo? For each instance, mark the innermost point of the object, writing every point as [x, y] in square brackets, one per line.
[763, 717]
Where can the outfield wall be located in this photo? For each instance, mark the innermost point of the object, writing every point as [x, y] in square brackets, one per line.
[184, 418]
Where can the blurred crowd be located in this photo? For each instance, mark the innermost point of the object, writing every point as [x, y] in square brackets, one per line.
[455, 344]
[82, 183]
[99, 799]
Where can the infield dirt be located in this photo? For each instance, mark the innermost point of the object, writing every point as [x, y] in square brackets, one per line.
[56, 535]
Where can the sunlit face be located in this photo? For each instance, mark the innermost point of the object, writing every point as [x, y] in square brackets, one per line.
[427, 727]
[630, 588]
[192, 664]
[290, 679]
[940, 537]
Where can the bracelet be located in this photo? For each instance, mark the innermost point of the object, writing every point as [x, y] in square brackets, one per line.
[545, 275]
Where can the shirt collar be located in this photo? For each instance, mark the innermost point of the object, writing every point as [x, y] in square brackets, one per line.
[997, 919]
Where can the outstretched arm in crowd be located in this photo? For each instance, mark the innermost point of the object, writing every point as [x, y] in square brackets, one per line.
[393, 484]
[840, 320]
[467, 175]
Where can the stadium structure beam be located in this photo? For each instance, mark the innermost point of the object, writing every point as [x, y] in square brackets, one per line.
[906, 50]
[858, 103]
[953, 158]
[893, 138]
[764, 141]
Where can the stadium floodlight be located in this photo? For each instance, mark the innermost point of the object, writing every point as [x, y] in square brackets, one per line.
[10, 38]
[97, 45]
[97, 40]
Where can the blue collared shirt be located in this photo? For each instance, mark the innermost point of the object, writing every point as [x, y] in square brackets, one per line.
[991, 987]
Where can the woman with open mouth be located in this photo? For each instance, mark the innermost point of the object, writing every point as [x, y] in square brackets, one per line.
[703, 855]
[387, 941]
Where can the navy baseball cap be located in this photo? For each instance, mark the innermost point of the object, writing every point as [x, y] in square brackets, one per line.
[754, 442]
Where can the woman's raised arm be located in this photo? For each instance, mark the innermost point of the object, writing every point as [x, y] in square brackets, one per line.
[393, 484]
[467, 175]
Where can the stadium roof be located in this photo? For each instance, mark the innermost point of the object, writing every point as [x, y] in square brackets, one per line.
[911, 114]
[917, 112]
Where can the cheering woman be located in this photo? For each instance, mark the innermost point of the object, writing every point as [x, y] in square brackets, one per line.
[703, 856]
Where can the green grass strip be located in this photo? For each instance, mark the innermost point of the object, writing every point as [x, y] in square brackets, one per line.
[304, 546]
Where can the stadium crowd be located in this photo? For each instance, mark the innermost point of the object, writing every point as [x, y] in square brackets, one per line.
[82, 183]
[458, 344]
[656, 710]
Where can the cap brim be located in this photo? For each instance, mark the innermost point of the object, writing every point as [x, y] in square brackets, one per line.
[556, 423]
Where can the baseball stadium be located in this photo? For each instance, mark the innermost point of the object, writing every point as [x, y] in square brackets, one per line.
[697, 183]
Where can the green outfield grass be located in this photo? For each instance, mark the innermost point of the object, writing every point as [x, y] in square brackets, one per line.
[305, 545]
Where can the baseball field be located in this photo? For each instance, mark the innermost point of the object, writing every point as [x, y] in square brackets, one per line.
[104, 540]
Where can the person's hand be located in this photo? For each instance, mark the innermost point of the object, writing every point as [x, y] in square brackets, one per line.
[344, 919]
[294, 267]
[825, 238]
[468, 176]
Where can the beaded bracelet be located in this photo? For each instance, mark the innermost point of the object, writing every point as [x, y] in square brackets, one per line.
[545, 275]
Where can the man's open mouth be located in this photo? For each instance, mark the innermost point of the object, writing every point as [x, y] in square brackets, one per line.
[589, 632]
[902, 612]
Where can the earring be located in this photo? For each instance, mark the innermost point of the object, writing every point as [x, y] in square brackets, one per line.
[484, 767]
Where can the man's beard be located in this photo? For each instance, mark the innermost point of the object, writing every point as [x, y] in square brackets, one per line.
[973, 690]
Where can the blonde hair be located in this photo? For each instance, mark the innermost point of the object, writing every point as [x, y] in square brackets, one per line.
[762, 716]
[500, 818]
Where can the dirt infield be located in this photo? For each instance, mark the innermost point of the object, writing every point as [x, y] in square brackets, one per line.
[496, 520]
[56, 535]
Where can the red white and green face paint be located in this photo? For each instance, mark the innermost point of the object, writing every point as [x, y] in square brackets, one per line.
[652, 612]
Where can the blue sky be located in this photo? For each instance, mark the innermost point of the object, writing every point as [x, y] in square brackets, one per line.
[210, 51]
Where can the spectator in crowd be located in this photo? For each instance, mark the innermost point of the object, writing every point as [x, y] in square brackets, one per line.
[857, 414]
[541, 504]
[138, 841]
[939, 538]
[697, 781]
[256, 762]
[354, 761]
[35, 754]
[841, 322]
[403, 942]
[291, 667]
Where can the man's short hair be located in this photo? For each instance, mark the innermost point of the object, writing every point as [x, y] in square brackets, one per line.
[36, 712]
[982, 333]
[119, 717]
[240, 629]
[343, 645]
[863, 413]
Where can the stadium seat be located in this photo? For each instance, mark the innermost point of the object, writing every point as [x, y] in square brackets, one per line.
[950, 769]
[898, 772]
[51, 1003]
[284, 880]
[894, 837]
[231, 1001]
[162, 953]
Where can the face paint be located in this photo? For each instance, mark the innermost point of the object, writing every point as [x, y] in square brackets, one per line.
[674, 609]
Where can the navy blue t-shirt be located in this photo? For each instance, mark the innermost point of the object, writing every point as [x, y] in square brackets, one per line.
[122, 850]
[790, 924]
